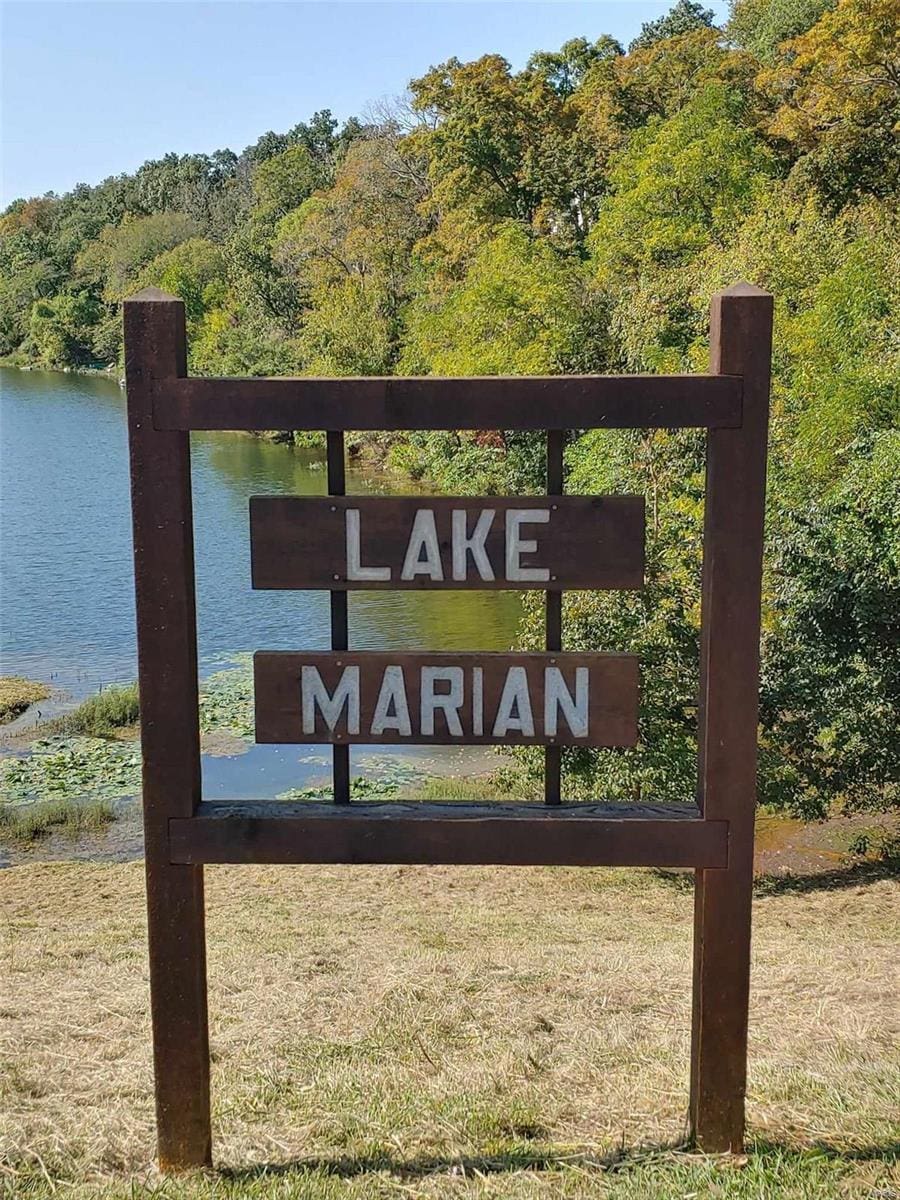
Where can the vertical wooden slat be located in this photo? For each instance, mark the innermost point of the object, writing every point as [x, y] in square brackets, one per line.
[337, 486]
[170, 741]
[556, 440]
[741, 338]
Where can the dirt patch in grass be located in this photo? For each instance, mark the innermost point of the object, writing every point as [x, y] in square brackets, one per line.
[16, 694]
[438, 1032]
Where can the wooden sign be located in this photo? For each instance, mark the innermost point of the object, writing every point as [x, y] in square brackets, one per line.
[446, 699]
[551, 542]
[393, 542]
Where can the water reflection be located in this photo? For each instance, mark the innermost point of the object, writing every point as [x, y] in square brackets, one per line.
[66, 591]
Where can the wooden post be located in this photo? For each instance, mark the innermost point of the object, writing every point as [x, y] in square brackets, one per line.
[170, 741]
[740, 339]
[556, 441]
[340, 628]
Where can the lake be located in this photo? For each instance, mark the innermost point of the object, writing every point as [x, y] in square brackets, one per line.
[66, 588]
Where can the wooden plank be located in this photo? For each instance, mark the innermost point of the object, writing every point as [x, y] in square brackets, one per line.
[340, 626]
[556, 444]
[424, 543]
[741, 341]
[564, 402]
[521, 835]
[170, 740]
[377, 698]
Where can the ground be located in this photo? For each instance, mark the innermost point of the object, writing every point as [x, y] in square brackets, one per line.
[437, 1032]
[16, 694]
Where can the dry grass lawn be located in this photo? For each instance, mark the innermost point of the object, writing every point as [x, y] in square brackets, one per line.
[434, 1032]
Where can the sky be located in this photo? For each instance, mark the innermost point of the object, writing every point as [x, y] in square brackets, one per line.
[94, 89]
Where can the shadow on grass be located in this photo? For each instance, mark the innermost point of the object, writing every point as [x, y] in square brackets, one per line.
[888, 1153]
[854, 875]
[550, 1160]
[507, 1161]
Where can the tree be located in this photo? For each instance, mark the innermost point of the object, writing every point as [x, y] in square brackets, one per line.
[682, 186]
[503, 146]
[283, 181]
[565, 69]
[194, 270]
[118, 255]
[60, 329]
[684, 17]
[523, 309]
[516, 313]
[830, 706]
[760, 26]
[348, 252]
[838, 88]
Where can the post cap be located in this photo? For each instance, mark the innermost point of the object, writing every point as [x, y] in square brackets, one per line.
[742, 288]
[153, 295]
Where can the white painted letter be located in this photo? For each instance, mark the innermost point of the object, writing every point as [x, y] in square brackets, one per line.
[313, 691]
[393, 691]
[424, 534]
[462, 543]
[514, 709]
[478, 701]
[516, 546]
[355, 570]
[448, 702]
[557, 696]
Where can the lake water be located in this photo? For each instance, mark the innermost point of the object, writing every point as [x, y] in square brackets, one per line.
[66, 590]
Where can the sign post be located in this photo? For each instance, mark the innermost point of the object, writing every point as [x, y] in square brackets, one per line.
[552, 699]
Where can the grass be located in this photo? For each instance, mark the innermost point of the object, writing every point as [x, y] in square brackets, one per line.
[462, 788]
[103, 714]
[31, 822]
[439, 1032]
[16, 694]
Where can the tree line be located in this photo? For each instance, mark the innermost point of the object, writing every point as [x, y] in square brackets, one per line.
[575, 216]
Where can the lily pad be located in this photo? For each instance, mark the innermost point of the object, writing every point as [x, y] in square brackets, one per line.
[63, 768]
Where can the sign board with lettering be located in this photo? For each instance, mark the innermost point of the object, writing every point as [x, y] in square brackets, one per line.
[568, 542]
[446, 699]
[344, 696]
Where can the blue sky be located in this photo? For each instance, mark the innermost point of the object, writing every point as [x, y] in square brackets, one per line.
[94, 89]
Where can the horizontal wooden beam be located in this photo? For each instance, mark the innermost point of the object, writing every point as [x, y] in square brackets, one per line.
[558, 402]
[583, 835]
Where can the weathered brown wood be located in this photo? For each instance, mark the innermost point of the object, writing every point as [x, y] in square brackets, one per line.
[714, 837]
[305, 542]
[741, 337]
[611, 712]
[497, 834]
[556, 443]
[167, 669]
[573, 402]
[340, 626]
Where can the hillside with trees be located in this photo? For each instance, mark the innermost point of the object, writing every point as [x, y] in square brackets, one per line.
[575, 216]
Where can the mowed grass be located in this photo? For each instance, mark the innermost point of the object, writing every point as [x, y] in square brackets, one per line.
[416, 1032]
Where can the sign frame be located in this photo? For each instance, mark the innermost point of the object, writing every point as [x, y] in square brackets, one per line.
[714, 836]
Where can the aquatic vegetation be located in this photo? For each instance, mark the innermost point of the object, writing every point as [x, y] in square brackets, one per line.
[16, 694]
[66, 768]
[377, 776]
[226, 699]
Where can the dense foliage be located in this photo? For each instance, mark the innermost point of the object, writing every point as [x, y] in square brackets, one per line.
[576, 216]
